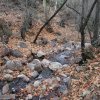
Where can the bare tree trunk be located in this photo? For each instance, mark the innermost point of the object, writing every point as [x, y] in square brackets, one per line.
[27, 23]
[82, 31]
[56, 3]
[96, 23]
[47, 14]
[82, 28]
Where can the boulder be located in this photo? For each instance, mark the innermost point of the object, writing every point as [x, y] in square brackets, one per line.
[34, 74]
[22, 44]
[5, 89]
[35, 65]
[42, 41]
[37, 83]
[24, 77]
[29, 97]
[31, 66]
[45, 63]
[40, 54]
[14, 65]
[8, 77]
[16, 53]
[8, 71]
[4, 51]
[55, 66]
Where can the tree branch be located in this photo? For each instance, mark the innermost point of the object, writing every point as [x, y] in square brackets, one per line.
[49, 21]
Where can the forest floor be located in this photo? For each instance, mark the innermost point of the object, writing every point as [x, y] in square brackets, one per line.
[71, 82]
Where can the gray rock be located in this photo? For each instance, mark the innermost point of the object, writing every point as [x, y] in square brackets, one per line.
[44, 87]
[42, 41]
[55, 66]
[35, 65]
[24, 77]
[5, 58]
[58, 33]
[58, 79]
[63, 89]
[8, 77]
[45, 63]
[29, 97]
[46, 73]
[14, 65]
[5, 89]
[67, 81]
[8, 97]
[61, 39]
[86, 92]
[4, 51]
[8, 71]
[40, 54]
[37, 83]
[79, 68]
[16, 53]
[34, 74]
[66, 65]
[22, 44]
[31, 66]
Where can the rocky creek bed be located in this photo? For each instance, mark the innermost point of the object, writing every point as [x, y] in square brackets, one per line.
[38, 78]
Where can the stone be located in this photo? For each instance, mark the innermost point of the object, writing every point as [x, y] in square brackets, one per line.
[63, 75]
[16, 53]
[5, 89]
[37, 83]
[45, 63]
[58, 33]
[40, 54]
[24, 77]
[14, 65]
[31, 66]
[22, 44]
[89, 53]
[46, 73]
[8, 97]
[37, 65]
[4, 51]
[29, 88]
[17, 84]
[44, 87]
[81, 68]
[65, 65]
[49, 80]
[86, 92]
[67, 81]
[53, 42]
[34, 74]
[29, 97]
[61, 39]
[8, 77]
[8, 71]
[55, 66]
[5, 58]
[42, 41]
[54, 85]
[58, 79]
[63, 89]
